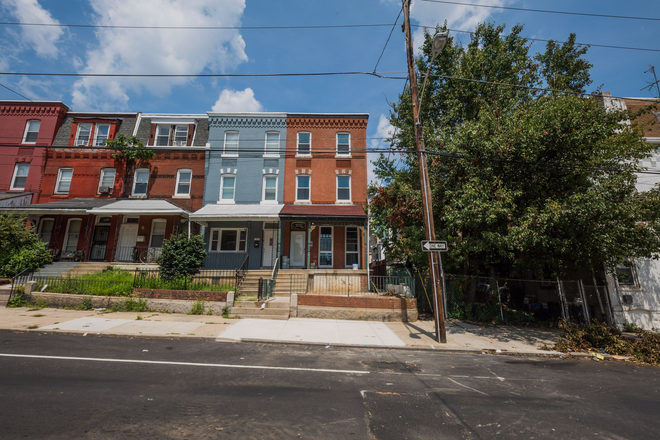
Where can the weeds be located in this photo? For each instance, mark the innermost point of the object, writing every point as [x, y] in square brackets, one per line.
[37, 315]
[630, 327]
[197, 308]
[139, 318]
[17, 301]
[86, 304]
[32, 327]
[225, 312]
[135, 305]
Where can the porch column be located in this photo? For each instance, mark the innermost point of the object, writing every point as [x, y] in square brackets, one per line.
[366, 249]
[279, 241]
[309, 245]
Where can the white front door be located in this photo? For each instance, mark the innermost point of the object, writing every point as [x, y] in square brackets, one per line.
[269, 248]
[72, 235]
[127, 241]
[297, 248]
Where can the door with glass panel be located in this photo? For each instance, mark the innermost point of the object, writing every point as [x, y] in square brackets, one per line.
[325, 246]
[72, 235]
[269, 252]
[99, 242]
[352, 246]
[298, 248]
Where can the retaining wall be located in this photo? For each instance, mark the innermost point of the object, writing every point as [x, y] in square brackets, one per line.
[196, 295]
[354, 308]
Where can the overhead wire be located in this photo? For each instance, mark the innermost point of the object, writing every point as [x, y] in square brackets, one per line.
[388, 39]
[14, 91]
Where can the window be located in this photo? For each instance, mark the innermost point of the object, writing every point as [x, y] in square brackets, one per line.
[72, 235]
[231, 143]
[107, 179]
[181, 135]
[325, 246]
[101, 134]
[31, 132]
[302, 188]
[157, 233]
[64, 177]
[343, 144]
[227, 188]
[228, 240]
[46, 230]
[162, 135]
[626, 275]
[141, 182]
[20, 176]
[304, 143]
[272, 144]
[183, 180]
[270, 189]
[82, 136]
[352, 247]
[344, 188]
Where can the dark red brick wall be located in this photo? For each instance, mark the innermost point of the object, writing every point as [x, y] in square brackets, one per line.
[357, 302]
[181, 294]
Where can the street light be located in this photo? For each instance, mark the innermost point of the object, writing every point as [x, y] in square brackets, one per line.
[439, 42]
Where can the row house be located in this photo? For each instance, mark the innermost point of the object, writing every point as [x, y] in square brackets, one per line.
[98, 207]
[26, 128]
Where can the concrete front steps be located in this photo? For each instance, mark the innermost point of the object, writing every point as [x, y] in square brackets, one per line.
[88, 267]
[4, 295]
[57, 269]
[275, 309]
[285, 285]
[250, 284]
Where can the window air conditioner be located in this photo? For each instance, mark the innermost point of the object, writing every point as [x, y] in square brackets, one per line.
[105, 190]
[180, 143]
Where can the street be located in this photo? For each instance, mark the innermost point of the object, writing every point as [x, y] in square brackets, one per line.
[57, 386]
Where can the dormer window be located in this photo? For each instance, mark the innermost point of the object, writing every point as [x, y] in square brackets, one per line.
[101, 134]
[82, 136]
[171, 135]
[91, 133]
[162, 135]
[181, 135]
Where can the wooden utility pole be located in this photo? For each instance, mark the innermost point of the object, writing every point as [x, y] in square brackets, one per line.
[427, 203]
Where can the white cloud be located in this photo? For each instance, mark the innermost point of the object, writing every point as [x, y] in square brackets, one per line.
[385, 130]
[237, 101]
[41, 38]
[170, 51]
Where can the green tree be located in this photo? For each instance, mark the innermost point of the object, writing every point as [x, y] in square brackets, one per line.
[182, 257]
[129, 151]
[20, 247]
[522, 179]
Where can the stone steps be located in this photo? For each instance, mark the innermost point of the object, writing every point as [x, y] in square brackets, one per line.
[252, 309]
[4, 297]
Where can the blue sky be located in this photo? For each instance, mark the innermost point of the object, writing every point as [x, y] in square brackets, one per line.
[52, 49]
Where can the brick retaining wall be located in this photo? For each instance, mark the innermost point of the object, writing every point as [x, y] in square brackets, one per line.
[364, 302]
[203, 295]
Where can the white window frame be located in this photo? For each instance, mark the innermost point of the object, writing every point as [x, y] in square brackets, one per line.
[224, 144]
[27, 130]
[176, 129]
[13, 186]
[309, 188]
[332, 247]
[59, 181]
[298, 153]
[135, 182]
[222, 187]
[633, 271]
[96, 133]
[348, 153]
[263, 189]
[103, 171]
[350, 192]
[65, 243]
[238, 240]
[76, 142]
[153, 227]
[178, 180]
[41, 227]
[346, 252]
[156, 136]
[279, 143]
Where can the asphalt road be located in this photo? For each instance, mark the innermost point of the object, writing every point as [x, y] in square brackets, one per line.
[67, 387]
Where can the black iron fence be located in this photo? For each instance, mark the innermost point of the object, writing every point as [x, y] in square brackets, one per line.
[347, 284]
[207, 279]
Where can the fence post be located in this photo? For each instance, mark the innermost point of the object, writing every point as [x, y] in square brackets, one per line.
[562, 299]
[585, 309]
[499, 297]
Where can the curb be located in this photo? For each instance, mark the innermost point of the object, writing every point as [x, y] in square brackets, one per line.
[108, 335]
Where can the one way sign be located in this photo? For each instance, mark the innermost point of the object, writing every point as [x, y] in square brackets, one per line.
[430, 246]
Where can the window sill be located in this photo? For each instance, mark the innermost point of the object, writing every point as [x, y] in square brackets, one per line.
[181, 197]
[226, 202]
[302, 202]
[269, 202]
[139, 196]
[228, 155]
[16, 189]
[61, 194]
[344, 202]
[271, 156]
[343, 156]
[303, 156]
[29, 143]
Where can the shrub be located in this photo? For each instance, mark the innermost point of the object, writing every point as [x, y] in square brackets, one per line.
[197, 308]
[182, 257]
[86, 304]
[20, 247]
[135, 305]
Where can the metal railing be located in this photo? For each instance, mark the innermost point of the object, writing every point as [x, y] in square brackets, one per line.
[20, 279]
[211, 280]
[351, 285]
[241, 271]
[127, 254]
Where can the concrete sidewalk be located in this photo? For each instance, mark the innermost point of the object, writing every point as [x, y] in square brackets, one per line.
[461, 336]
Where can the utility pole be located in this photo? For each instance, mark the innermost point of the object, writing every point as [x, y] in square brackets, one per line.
[427, 203]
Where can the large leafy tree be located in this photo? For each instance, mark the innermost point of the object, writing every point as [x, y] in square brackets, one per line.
[523, 179]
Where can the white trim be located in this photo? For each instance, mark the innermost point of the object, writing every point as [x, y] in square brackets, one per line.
[238, 241]
[298, 153]
[103, 170]
[186, 137]
[65, 242]
[25, 132]
[222, 187]
[224, 143]
[332, 246]
[346, 252]
[135, 181]
[178, 179]
[96, 133]
[263, 189]
[309, 188]
[270, 114]
[13, 186]
[76, 141]
[59, 180]
[279, 144]
[41, 223]
[350, 192]
[153, 224]
[344, 155]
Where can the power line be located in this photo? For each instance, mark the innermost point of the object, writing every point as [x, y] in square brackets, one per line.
[14, 91]
[200, 75]
[388, 39]
[584, 14]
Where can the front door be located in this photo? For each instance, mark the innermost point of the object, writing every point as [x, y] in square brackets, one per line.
[127, 241]
[298, 248]
[269, 251]
[100, 242]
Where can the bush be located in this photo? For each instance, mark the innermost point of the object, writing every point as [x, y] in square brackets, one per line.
[20, 247]
[197, 308]
[135, 305]
[182, 257]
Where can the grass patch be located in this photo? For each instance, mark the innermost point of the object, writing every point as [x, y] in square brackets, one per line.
[644, 347]
[32, 327]
[38, 315]
[86, 286]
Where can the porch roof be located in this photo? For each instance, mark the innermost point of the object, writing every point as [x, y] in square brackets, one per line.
[139, 207]
[70, 206]
[323, 211]
[237, 212]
